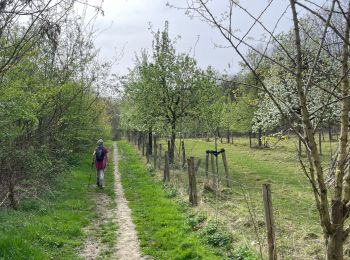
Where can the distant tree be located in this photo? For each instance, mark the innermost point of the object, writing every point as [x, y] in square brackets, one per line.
[167, 89]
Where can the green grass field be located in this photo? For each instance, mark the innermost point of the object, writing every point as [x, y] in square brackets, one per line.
[50, 226]
[227, 224]
[240, 206]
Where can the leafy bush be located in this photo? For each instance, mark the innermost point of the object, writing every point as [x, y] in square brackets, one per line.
[216, 236]
[244, 253]
[196, 221]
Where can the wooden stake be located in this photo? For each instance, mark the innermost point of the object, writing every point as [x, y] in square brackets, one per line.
[183, 154]
[207, 166]
[155, 152]
[225, 167]
[269, 222]
[166, 167]
[160, 157]
[192, 182]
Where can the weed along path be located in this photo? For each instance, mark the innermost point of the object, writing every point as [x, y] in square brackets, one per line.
[127, 242]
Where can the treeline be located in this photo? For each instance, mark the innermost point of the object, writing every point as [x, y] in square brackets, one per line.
[168, 94]
[50, 84]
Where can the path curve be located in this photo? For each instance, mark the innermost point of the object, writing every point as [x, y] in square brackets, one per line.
[128, 247]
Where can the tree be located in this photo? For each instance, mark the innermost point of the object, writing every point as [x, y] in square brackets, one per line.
[166, 90]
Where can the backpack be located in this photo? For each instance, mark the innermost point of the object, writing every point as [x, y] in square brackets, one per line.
[100, 154]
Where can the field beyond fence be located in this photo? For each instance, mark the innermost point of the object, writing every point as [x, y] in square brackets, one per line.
[234, 197]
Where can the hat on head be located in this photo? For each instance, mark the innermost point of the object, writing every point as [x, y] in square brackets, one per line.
[100, 141]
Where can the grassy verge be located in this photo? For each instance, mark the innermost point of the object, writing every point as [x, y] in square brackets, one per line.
[50, 226]
[161, 223]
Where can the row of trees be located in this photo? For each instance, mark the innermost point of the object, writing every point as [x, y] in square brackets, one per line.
[297, 80]
[50, 82]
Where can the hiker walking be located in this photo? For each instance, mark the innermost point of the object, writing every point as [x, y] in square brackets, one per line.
[100, 159]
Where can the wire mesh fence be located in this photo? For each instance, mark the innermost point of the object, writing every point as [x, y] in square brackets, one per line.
[236, 200]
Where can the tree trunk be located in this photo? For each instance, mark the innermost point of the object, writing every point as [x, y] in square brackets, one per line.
[172, 144]
[312, 151]
[12, 194]
[218, 133]
[250, 139]
[228, 136]
[335, 242]
[183, 154]
[335, 247]
[322, 135]
[259, 137]
[320, 141]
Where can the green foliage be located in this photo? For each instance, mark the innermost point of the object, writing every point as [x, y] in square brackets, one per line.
[49, 226]
[196, 221]
[160, 222]
[214, 235]
[244, 253]
[167, 91]
[49, 110]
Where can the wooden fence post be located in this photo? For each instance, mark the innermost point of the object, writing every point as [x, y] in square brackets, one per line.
[225, 166]
[143, 145]
[166, 176]
[183, 154]
[189, 170]
[207, 165]
[155, 152]
[192, 182]
[160, 157]
[269, 222]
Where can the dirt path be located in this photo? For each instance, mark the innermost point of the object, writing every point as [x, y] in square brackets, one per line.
[94, 247]
[128, 247]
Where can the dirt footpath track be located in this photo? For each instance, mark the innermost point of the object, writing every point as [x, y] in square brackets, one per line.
[128, 247]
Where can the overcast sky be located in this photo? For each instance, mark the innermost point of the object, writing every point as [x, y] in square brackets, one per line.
[124, 30]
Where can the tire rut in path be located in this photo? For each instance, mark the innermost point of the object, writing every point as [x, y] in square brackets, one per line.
[128, 247]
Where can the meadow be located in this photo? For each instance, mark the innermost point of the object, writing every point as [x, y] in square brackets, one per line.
[239, 207]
